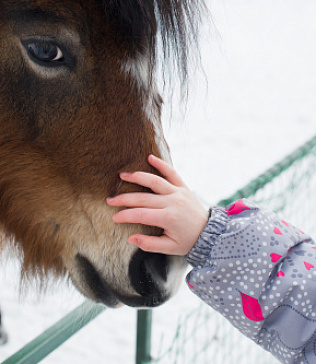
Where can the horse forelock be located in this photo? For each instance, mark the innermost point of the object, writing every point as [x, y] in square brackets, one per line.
[160, 31]
[171, 25]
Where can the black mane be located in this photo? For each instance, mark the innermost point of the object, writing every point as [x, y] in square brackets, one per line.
[174, 22]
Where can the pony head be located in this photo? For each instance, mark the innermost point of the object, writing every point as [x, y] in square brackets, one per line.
[78, 105]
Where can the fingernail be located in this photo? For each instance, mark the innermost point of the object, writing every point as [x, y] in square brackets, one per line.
[114, 218]
[133, 241]
[125, 174]
[110, 199]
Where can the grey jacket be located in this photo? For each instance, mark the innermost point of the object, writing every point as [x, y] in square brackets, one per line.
[259, 272]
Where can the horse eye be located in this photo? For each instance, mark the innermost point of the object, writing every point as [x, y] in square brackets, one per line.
[45, 52]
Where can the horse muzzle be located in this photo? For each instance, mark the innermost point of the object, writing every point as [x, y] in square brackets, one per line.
[153, 279]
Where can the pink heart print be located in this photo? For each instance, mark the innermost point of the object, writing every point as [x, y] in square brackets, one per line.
[275, 257]
[237, 208]
[277, 231]
[251, 307]
[308, 266]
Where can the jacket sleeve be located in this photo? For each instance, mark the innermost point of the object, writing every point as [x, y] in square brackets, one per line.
[259, 272]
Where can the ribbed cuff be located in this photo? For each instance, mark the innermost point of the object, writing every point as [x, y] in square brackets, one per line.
[209, 237]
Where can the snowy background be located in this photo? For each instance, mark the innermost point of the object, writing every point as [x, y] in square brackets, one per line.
[257, 105]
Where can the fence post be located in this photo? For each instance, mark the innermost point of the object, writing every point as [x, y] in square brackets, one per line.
[143, 345]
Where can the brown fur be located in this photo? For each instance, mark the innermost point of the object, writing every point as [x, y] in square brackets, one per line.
[64, 139]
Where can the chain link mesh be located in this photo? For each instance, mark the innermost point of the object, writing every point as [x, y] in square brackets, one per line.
[203, 335]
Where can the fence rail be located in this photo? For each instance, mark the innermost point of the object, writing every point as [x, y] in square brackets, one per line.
[52, 338]
[291, 179]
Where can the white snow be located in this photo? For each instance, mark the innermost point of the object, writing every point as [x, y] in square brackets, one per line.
[259, 104]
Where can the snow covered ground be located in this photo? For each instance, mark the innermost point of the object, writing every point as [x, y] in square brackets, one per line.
[257, 106]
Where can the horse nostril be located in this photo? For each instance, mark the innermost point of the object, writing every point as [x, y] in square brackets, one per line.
[157, 264]
[147, 272]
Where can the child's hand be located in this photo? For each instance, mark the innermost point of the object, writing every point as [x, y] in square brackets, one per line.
[173, 207]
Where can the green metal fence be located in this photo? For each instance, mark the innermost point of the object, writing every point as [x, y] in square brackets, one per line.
[201, 335]
[56, 335]
[204, 336]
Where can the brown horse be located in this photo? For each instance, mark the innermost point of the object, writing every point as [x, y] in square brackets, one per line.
[78, 104]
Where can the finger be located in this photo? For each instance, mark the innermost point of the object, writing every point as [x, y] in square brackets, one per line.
[155, 183]
[154, 244]
[137, 199]
[166, 170]
[140, 216]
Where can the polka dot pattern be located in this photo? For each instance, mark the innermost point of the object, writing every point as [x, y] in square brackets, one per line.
[260, 273]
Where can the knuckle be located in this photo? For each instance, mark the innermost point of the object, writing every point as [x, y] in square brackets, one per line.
[178, 200]
[143, 198]
[169, 217]
[154, 183]
[140, 215]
